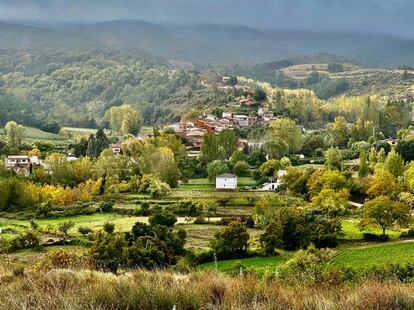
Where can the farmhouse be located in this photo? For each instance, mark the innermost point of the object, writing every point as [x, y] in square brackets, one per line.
[226, 181]
[20, 164]
[116, 148]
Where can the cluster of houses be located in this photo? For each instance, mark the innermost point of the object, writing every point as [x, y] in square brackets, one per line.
[193, 131]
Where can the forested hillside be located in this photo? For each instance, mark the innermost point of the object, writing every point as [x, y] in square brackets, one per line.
[75, 88]
[210, 43]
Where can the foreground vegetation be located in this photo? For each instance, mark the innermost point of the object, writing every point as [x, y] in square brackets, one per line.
[66, 289]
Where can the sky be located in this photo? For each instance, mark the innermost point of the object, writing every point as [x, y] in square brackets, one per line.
[370, 16]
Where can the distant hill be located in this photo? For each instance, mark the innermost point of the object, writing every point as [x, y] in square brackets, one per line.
[212, 44]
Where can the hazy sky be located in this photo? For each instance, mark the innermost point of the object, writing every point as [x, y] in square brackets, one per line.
[380, 16]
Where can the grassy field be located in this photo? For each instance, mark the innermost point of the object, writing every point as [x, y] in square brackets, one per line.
[203, 184]
[37, 135]
[375, 255]
[360, 257]
[352, 231]
[260, 264]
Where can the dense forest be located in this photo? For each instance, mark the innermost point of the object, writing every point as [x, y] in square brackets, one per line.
[75, 88]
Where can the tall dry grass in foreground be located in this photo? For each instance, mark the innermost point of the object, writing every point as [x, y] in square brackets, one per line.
[68, 289]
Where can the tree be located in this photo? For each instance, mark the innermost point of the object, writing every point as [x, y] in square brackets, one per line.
[163, 218]
[382, 184]
[269, 168]
[65, 226]
[125, 119]
[363, 168]
[326, 179]
[406, 150]
[271, 239]
[227, 141]
[241, 168]
[108, 251]
[311, 143]
[384, 212]
[339, 130]
[333, 159]
[394, 163]
[276, 148]
[231, 241]
[210, 150]
[216, 168]
[15, 134]
[84, 230]
[109, 228]
[97, 143]
[285, 129]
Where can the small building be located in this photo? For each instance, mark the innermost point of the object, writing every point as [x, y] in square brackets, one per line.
[241, 120]
[116, 148]
[226, 181]
[246, 102]
[21, 161]
[20, 164]
[391, 141]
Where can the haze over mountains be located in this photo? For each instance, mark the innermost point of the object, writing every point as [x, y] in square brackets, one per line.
[210, 43]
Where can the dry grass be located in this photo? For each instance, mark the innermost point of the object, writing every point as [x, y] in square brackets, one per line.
[67, 289]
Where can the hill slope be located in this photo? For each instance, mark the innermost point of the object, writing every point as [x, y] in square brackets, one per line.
[210, 44]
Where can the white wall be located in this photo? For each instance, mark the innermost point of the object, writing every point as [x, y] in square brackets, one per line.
[226, 183]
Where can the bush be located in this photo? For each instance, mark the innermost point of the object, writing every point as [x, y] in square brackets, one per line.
[28, 239]
[199, 220]
[409, 234]
[109, 227]
[231, 242]
[375, 238]
[106, 206]
[145, 209]
[84, 230]
[163, 218]
[247, 220]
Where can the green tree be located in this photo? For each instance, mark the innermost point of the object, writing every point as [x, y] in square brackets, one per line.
[216, 168]
[228, 142]
[14, 133]
[163, 218]
[231, 241]
[65, 226]
[241, 168]
[333, 159]
[271, 239]
[382, 184]
[210, 150]
[276, 148]
[394, 163]
[269, 168]
[339, 130]
[125, 119]
[363, 168]
[384, 212]
[285, 129]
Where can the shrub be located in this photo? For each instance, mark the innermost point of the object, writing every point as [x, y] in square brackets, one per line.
[163, 218]
[231, 242]
[65, 226]
[145, 209]
[375, 238]
[106, 206]
[199, 220]
[84, 230]
[109, 227]
[28, 239]
[407, 234]
[246, 220]
[306, 266]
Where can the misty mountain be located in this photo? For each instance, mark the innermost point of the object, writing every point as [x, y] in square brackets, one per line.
[211, 44]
